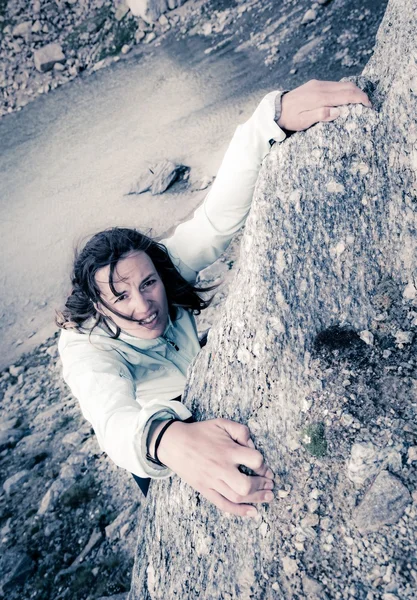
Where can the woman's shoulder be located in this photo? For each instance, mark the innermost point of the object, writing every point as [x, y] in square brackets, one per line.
[86, 340]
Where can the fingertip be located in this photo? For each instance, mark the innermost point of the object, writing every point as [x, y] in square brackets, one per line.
[252, 512]
[250, 443]
[366, 101]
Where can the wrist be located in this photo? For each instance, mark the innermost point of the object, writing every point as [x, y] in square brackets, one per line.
[154, 430]
[279, 107]
[169, 440]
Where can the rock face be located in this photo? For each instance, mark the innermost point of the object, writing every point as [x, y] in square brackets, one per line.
[328, 252]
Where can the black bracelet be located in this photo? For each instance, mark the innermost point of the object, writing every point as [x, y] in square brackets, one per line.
[158, 441]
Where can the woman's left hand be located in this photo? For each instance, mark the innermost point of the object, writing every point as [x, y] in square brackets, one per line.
[316, 101]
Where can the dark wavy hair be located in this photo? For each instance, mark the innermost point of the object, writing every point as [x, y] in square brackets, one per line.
[106, 248]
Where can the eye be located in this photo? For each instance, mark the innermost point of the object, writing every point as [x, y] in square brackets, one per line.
[120, 298]
[149, 283]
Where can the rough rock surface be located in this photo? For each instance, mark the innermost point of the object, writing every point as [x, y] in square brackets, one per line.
[328, 252]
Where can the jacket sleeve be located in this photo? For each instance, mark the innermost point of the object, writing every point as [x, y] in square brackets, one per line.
[201, 240]
[103, 385]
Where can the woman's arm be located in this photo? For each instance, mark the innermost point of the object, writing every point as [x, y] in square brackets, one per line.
[200, 241]
[205, 454]
[102, 383]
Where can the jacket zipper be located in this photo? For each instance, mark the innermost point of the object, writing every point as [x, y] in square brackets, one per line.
[185, 361]
[173, 344]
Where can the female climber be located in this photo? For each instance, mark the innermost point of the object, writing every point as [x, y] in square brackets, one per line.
[128, 329]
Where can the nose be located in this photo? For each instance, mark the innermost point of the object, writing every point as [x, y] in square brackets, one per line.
[141, 305]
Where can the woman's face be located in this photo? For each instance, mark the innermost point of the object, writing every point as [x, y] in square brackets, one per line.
[143, 296]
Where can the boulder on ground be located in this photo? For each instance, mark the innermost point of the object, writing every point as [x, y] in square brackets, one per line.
[45, 58]
[151, 10]
[310, 15]
[113, 529]
[22, 571]
[14, 483]
[22, 29]
[9, 437]
[158, 178]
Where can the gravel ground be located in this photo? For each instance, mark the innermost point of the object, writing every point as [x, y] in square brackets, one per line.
[336, 35]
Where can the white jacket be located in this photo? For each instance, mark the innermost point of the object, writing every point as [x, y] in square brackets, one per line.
[124, 384]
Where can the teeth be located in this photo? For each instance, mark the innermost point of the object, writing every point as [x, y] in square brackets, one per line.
[149, 319]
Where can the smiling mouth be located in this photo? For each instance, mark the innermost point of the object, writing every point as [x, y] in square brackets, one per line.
[149, 320]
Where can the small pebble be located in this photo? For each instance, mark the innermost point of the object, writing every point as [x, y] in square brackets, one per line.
[315, 494]
[412, 454]
[313, 506]
[309, 16]
[367, 337]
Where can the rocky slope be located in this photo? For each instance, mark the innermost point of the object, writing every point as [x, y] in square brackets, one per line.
[68, 516]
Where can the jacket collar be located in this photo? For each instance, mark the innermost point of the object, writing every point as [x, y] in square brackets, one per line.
[132, 340]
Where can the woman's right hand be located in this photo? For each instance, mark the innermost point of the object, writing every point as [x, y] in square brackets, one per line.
[207, 455]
